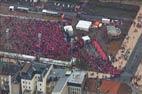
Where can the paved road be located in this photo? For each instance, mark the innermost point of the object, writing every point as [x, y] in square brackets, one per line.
[131, 2]
[132, 65]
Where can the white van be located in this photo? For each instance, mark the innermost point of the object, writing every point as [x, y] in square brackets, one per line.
[11, 8]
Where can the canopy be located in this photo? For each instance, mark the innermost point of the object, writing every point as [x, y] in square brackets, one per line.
[83, 25]
[86, 38]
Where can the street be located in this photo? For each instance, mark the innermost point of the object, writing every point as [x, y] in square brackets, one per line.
[131, 66]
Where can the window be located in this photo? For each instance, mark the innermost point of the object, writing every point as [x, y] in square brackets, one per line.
[23, 82]
[29, 87]
[75, 91]
[23, 86]
[40, 84]
[29, 83]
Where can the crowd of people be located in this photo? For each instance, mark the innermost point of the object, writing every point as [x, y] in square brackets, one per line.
[47, 39]
[32, 37]
[100, 61]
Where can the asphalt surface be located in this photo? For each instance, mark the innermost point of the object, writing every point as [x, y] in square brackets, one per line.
[132, 65]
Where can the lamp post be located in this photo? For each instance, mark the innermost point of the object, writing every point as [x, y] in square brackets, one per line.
[38, 54]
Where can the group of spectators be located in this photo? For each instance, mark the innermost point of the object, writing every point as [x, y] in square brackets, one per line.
[47, 39]
[34, 37]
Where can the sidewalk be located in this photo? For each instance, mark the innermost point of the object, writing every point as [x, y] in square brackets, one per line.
[137, 80]
[128, 45]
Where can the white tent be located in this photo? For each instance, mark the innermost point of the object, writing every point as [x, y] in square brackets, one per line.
[83, 25]
[86, 38]
[69, 29]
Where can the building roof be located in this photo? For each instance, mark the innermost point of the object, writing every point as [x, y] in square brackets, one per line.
[77, 77]
[57, 73]
[124, 89]
[26, 67]
[90, 85]
[108, 86]
[60, 84]
[30, 69]
[9, 68]
[39, 92]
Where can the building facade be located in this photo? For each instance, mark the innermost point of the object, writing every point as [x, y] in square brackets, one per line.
[7, 77]
[35, 81]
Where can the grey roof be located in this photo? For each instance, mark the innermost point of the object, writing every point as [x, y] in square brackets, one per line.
[60, 84]
[34, 68]
[39, 92]
[9, 68]
[77, 77]
[57, 73]
[26, 67]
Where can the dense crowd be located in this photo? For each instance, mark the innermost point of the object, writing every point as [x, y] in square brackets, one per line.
[32, 37]
[47, 38]
[100, 61]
